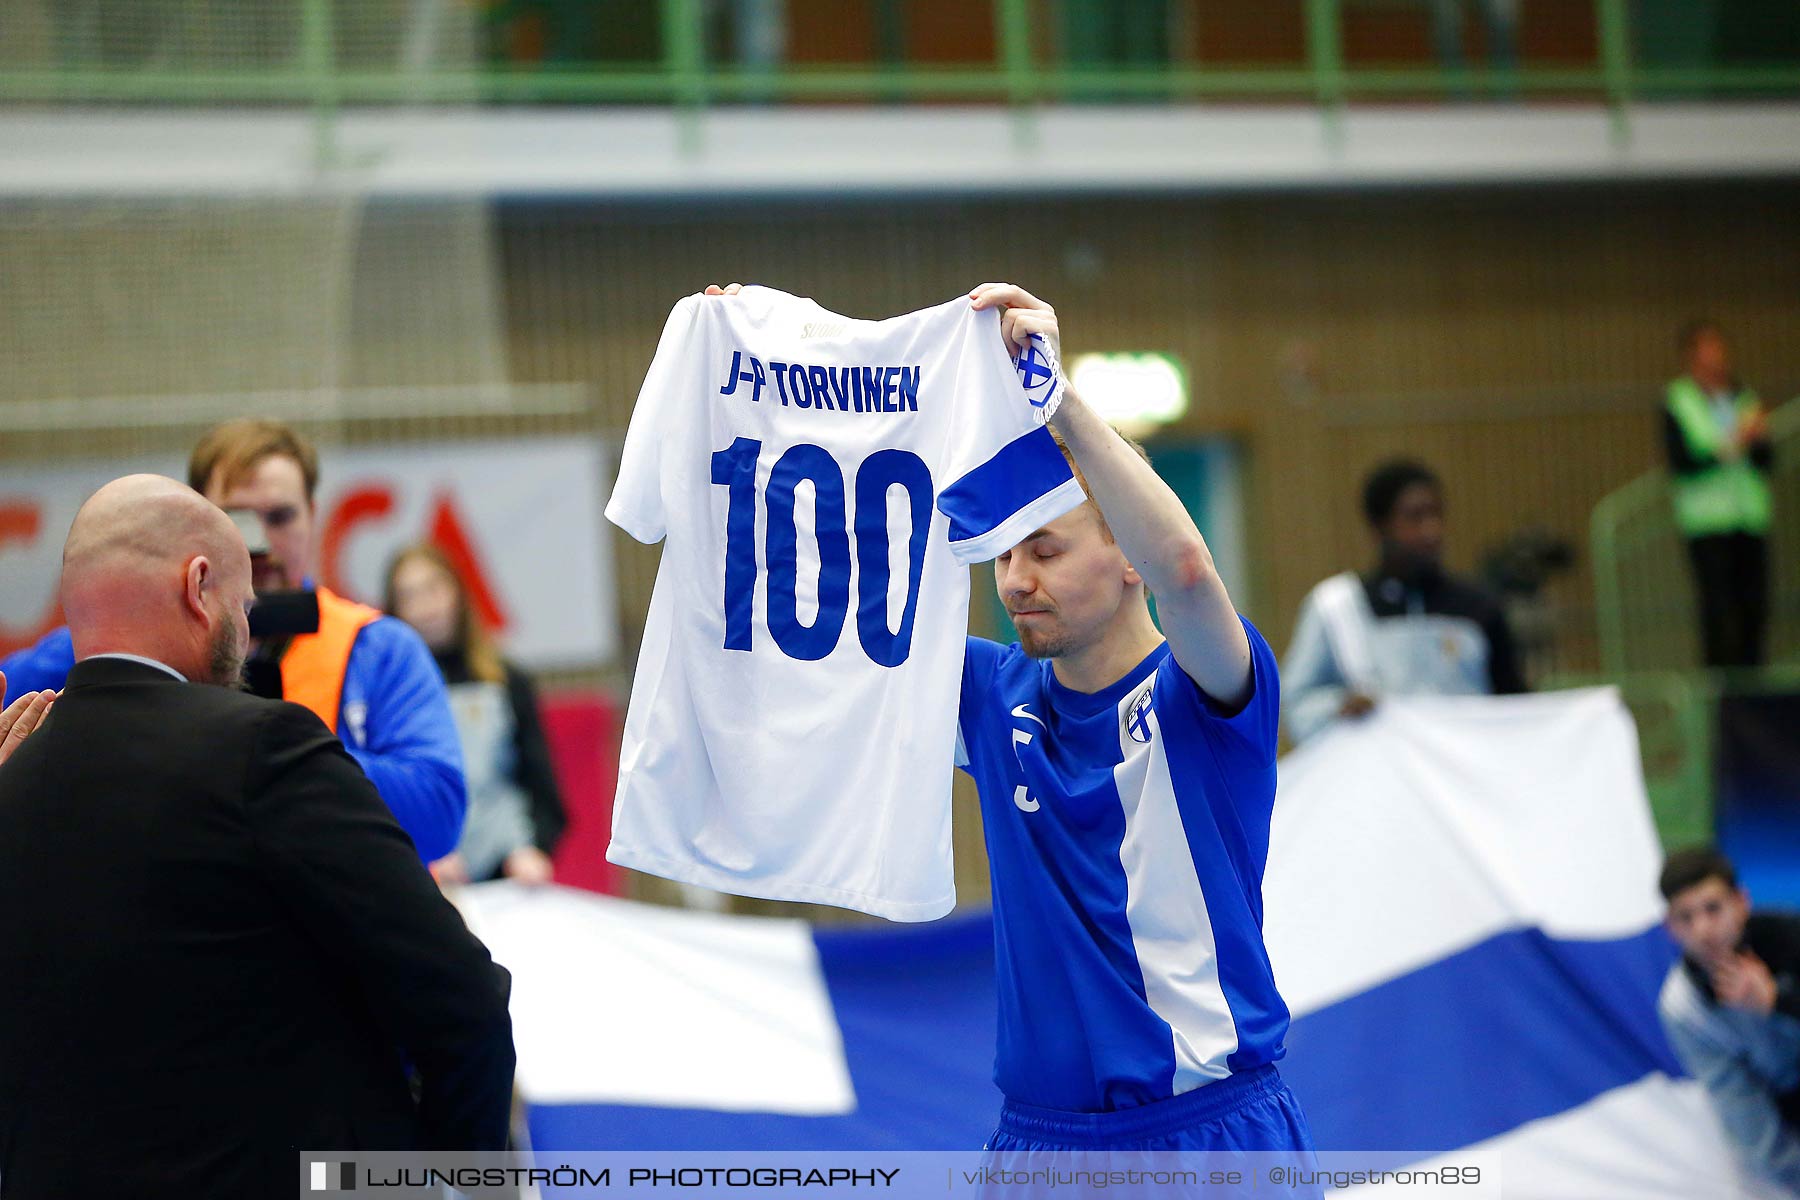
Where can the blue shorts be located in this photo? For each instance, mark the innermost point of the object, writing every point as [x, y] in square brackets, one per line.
[1248, 1123]
[1249, 1111]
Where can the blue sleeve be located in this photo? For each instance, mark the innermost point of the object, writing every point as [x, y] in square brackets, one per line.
[981, 659]
[35, 668]
[1230, 755]
[1245, 739]
[395, 720]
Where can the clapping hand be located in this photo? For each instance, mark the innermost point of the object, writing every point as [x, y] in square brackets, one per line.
[528, 865]
[21, 717]
[1754, 427]
[451, 870]
[1742, 981]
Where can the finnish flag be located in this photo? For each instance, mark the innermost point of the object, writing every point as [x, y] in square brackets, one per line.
[1460, 903]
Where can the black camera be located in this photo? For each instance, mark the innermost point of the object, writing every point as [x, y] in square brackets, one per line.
[280, 614]
[274, 618]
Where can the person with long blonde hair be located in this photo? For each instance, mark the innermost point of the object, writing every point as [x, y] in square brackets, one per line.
[515, 807]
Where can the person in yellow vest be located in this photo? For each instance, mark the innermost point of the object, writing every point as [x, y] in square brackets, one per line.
[369, 677]
[1717, 435]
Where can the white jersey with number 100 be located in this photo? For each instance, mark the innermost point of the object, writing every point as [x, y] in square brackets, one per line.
[821, 483]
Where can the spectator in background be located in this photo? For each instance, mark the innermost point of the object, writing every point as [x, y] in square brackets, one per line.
[1408, 627]
[1717, 435]
[756, 32]
[1113, 35]
[1731, 1008]
[368, 677]
[515, 809]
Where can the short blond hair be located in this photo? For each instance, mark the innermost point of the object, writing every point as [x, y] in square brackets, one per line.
[232, 450]
[1090, 502]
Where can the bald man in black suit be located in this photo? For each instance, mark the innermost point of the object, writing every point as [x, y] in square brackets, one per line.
[218, 948]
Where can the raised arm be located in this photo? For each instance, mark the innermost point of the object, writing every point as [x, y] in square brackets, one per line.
[1147, 519]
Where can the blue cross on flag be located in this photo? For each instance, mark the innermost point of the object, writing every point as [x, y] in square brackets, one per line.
[1137, 718]
[1036, 372]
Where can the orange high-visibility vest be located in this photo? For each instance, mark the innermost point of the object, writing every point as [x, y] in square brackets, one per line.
[312, 670]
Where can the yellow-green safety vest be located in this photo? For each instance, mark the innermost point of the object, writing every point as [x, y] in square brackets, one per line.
[1725, 497]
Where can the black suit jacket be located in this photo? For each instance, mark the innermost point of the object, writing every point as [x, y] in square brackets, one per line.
[217, 949]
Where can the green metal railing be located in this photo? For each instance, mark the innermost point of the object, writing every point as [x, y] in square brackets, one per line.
[1676, 713]
[1673, 711]
[1017, 75]
[1649, 633]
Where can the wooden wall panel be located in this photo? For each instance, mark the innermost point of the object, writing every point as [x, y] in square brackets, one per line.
[1515, 338]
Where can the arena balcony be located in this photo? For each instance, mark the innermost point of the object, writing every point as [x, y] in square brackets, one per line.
[885, 96]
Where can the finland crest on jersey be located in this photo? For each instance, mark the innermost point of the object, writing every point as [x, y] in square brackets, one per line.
[820, 484]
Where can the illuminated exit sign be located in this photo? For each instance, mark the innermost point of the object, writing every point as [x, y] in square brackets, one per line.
[1136, 392]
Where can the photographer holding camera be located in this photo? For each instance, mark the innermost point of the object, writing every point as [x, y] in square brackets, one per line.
[369, 677]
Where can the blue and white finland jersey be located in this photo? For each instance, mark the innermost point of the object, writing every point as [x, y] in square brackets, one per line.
[1127, 832]
[822, 483]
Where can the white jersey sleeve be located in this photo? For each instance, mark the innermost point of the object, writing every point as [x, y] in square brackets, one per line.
[656, 433]
[1004, 476]
[819, 484]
